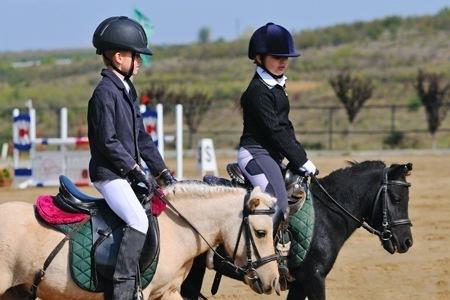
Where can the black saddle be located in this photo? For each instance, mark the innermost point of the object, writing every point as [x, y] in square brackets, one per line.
[71, 199]
[107, 230]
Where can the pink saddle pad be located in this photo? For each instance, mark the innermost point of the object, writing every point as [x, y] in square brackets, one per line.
[52, 214]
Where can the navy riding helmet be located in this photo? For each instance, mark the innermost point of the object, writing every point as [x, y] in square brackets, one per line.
[272, 39]
[120, 33]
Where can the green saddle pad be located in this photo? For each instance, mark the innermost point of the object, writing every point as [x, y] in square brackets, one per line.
[80, 261]
[301, 226]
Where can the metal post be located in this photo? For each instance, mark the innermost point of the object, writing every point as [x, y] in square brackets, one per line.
[160, 129]
[330, 128]
[63, 129]
[16, 153]
[393, 109]
[179, 140]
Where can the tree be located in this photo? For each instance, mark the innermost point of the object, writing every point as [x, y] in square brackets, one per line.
[195, 106]
[204, 35]
[434, 94]
[153, 94]
[353, 92]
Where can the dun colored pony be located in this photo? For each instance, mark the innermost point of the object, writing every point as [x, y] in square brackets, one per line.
[216, 212]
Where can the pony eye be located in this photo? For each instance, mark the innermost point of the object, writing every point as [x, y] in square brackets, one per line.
[260, 234]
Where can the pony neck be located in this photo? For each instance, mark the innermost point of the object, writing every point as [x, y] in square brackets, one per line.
[356, 195]
[214, 216]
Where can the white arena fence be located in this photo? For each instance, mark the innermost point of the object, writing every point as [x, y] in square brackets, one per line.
[37, 165]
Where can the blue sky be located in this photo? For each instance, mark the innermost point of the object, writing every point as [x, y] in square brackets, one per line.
[63, 24]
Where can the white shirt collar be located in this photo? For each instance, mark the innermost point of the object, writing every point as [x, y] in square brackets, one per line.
[269, 80]
[122, 78]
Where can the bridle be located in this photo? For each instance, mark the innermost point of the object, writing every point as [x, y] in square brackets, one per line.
[249, 270]
[386, 208]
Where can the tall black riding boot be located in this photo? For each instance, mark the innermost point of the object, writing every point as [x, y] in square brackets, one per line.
[125, 272]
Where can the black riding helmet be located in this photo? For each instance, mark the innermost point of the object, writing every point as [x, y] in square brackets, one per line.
[120, 33]
[272, 39]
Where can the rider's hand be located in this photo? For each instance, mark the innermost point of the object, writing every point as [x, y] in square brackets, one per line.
[166, 177]
[309, 168]
[138, 181]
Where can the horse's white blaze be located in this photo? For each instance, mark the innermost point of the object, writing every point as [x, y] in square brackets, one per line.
[215, 211]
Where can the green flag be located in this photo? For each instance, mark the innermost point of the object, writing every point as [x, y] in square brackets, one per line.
[148, 28]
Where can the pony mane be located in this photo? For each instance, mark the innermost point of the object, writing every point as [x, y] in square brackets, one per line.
[184, 190]
[355, 168]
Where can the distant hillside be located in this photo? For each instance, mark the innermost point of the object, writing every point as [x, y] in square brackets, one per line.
[388, 50]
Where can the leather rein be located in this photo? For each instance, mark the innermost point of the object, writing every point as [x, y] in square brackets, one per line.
[382, 195]
[250, 268]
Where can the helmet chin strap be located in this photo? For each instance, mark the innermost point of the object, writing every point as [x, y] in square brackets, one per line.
[128, 74]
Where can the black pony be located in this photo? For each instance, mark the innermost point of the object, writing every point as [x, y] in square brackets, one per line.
[368, 191]
[367, 194]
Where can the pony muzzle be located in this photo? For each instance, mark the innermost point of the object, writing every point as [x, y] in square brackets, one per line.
[253, 280]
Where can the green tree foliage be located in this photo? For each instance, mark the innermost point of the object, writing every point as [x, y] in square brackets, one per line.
[204, 35]
[352, 91]
[434, 93]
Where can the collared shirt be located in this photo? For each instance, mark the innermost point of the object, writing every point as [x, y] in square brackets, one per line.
[121, 77]
[269, 80]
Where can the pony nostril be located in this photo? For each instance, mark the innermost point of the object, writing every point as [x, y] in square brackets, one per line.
[408, 243]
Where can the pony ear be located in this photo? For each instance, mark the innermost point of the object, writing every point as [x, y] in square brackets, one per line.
[409, 166]
[254, 201]
[399, 170]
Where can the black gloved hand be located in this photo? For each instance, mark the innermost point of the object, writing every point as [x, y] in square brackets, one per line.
[139, 182]
[166, 177]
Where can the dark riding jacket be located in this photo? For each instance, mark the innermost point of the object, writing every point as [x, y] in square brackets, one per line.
[117, 137]
[267, 124]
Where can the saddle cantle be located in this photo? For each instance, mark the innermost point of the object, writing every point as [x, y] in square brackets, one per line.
[71, 199]
[236, 175]
[94, 247]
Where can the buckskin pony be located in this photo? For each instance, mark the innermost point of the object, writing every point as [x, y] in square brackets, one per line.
[215, 212]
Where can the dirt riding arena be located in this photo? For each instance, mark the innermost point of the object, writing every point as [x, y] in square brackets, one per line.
[363, 269]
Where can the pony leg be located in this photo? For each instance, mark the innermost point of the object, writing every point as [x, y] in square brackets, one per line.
[296, 291]
[315, 288]
[16, 293]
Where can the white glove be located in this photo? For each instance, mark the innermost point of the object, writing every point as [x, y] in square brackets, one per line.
[309, 168]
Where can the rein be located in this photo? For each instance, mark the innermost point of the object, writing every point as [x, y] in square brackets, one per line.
[251, 265]
[386, 234]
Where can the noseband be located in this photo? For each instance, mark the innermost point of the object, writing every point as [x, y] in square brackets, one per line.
[386, 207]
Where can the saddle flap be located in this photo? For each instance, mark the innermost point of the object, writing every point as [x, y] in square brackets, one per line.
[108, 233]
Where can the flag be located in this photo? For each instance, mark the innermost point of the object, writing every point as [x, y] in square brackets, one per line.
[148, 28]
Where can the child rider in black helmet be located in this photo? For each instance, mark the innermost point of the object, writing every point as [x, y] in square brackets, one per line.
[268, 135]
[118, 142]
